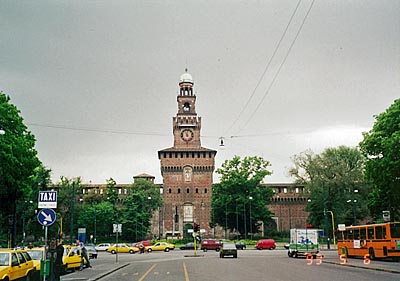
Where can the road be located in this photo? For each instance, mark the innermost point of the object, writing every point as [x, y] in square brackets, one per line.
[250, 265]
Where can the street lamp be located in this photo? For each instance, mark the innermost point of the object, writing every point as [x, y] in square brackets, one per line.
[23, 222]
[353, 203]
[251, 225]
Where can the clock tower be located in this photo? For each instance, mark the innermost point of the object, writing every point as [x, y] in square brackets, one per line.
[187, 170]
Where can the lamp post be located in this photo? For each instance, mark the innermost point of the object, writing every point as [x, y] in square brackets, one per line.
[353, 204]
[333, 227]
[23, 222]
[251, 225]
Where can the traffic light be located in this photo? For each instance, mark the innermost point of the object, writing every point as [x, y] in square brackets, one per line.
[196, 227]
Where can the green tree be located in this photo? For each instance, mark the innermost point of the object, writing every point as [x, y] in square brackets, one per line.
[381, 146]
[97, 218]
[240, 189]
[334, 180]
[143, 200]
[18, 161]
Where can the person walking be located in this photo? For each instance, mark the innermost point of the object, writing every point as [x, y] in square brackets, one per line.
[59, 262]
[83, 255]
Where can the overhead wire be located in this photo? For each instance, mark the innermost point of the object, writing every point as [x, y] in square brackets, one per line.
[280, 66]
[97, 130]
[266, 68]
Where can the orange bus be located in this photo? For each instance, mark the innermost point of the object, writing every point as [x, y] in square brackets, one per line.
[376, 240]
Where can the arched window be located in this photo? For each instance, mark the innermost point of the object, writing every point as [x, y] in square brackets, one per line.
[205, 190]
[197, 190]
[179, 190]
[187, 190]
[169, 190]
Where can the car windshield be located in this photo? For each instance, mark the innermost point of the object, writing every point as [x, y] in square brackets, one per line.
[4, 259]
[229, 246]
[35, 254]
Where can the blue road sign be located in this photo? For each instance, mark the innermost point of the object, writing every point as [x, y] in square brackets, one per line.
[46, 217]
[47, 199]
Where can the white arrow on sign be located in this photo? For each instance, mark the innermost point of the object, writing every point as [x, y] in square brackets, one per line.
[47, 217]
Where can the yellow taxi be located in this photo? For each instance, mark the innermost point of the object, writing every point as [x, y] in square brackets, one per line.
[122, 248]
[72, 257]
[16, 264]
[37, 255]
[160, 246]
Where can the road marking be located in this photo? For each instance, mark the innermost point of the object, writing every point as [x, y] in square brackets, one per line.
[147, 272]
[186, 273]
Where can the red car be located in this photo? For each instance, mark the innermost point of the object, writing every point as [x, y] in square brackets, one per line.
[211, 244]
[266, 244]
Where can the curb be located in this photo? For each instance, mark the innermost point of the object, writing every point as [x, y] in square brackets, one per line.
[100, 276]
[364, 267]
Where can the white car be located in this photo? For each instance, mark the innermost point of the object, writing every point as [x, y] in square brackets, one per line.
[102, 246]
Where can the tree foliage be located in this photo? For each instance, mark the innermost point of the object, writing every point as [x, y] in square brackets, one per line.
[334, 180]
[143, 200]
[18, 161]
[381, 146]
[239, 191]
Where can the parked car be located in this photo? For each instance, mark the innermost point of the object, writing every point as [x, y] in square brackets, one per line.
[102, 246]
[266, 244]
[190, 246]
[122, 248]
[211, 244]
[160, 246]
[16, 264]
[37, 255]
[228, 249]
[92, 252]
[72, 258]
[240, 245]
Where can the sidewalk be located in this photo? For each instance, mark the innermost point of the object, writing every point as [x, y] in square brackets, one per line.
[94, 273]
[332, 257]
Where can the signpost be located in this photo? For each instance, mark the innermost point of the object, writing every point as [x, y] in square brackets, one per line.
[47, 201]
[117, 228]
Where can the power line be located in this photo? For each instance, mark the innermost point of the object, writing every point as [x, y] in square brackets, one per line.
[96, 130]
[280, 67]
[266, 68]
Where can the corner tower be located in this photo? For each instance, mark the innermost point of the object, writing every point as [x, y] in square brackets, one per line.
[187, 170]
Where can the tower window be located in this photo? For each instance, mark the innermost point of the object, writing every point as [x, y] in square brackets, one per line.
[169, 190]
[187, 190]
[179, 190]
[205, 190]
[186, 107]
[197, 190]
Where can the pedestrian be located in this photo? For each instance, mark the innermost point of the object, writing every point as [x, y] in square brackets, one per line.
[83, 255]
[141, 248]
[59, 262]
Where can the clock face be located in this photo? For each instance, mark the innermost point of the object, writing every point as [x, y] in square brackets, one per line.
[187, 135]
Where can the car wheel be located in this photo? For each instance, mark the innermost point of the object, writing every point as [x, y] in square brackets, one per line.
[244, 248]
[204, 250]
[166, 249]
[29, 276]
[149, 250]
[131, 251]
[217, 250]
[113, 252]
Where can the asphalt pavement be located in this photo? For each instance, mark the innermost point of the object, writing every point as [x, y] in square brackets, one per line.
[101, 269]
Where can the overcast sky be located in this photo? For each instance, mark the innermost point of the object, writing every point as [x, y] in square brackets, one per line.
[96, 81]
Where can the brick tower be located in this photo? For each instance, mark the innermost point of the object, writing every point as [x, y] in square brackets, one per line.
[187, 170]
